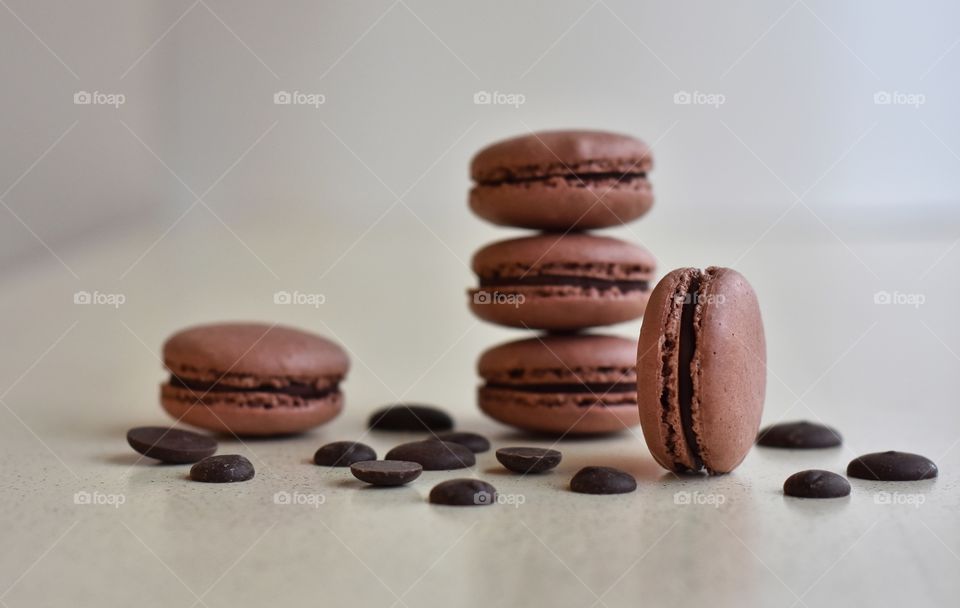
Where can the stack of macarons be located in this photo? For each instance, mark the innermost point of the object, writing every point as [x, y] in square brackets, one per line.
[562, 280]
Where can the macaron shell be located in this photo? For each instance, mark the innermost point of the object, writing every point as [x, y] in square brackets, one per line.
[558, 308]
[207, 352]
[562, 204]
[556, 413]
[729, 383]
[557, 152]
[657, 354]
[571, 254]
[227, 412]
[550, 359]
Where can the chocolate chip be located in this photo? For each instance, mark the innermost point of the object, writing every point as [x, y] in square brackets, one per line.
[602, 480]
[473, 442]
[386, 472]
[799, 435]
[463, 493]
[171, 445]
[343, 454]
[528, 460]
[222, 469]
[816, 484]
[410, 417]
[434, 455]
[892, 466]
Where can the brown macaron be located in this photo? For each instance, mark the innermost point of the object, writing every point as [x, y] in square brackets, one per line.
[561, 282]
[577, 384]
[701, 370]
[562, 180]
[252, 378]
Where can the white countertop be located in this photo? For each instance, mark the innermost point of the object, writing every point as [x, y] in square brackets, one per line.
[74, 378]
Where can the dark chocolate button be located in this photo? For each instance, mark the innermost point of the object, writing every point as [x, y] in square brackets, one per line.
[343, 454]
[892, 466]
[473, 442]
[386, 472]
[816, 484]
[602, 480]
[222, 469]
[463, 493]
[410, 417]
[434, 455]
[529, 460]
[799, 435]
[171, 445]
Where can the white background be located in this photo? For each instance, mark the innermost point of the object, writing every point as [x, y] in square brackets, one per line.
[199, 198]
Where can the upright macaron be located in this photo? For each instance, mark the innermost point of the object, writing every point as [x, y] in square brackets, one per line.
[701, 370]
[252, 378]
[560, 180]
[561, 282]
[576, 384]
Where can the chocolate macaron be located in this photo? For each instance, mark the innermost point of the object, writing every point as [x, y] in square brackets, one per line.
[252, 378]
[560, 180]
[701, 370]
[561, 282]
[577, 384]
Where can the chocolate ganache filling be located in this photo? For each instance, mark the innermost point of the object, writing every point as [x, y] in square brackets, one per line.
[597, 388]
[553, 280]
[294, 389]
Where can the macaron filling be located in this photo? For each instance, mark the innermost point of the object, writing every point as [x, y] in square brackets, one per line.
[573, 281]
[596, 388]
[614, 176]
[293, 389]
[677, 387]
[686, 348]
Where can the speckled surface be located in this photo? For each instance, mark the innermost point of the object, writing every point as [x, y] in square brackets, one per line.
[77, 377]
